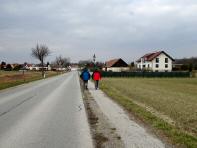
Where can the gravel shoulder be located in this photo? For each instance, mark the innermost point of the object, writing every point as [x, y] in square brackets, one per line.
[131, 133]
[103, 133]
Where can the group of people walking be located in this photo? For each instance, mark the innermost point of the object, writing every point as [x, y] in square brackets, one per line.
[85, 76]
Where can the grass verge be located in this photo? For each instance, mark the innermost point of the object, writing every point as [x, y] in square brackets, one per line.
[174, 134]
[11, 79]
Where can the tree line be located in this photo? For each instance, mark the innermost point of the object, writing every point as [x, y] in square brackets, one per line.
[40, 52]
[186, 64]
[91, 65]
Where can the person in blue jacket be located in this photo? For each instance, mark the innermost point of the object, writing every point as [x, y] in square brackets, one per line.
[85, 76]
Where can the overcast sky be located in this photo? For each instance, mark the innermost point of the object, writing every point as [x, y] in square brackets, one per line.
[108, 28]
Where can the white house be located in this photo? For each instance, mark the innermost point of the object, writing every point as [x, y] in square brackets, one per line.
[156, 61]
[116, 65]
[37, 67]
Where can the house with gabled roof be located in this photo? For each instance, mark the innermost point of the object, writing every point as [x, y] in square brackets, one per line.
[116, 65]
[37, 67]
[157, 61]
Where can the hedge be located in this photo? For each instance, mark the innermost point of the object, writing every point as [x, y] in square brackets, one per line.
[146, 74]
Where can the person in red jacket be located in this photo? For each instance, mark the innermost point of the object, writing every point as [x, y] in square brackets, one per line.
[96, 76]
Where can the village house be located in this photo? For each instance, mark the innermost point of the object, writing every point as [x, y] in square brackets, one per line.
[116, 65]
[14, 65]
[37, 67]
[156, 62]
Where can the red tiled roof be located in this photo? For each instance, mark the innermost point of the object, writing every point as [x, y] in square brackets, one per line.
[116, 63]
[29, 65]
[111, 62]
[151, 56]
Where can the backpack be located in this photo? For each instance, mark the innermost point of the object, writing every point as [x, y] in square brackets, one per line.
[86, 76]
[96, 75]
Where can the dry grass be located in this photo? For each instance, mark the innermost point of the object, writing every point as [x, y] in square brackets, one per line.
[13, 78]
[175, 98]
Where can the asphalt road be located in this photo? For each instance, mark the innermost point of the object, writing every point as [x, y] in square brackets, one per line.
[44, 114]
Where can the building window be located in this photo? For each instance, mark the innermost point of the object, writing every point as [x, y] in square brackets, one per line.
[157, 65]
[157, 60]
[144, 66]
[148, 65]
[166, 65]
[166, 60]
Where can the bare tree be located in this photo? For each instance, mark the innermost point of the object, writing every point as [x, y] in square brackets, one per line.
[40, 53]
[66, 62]
[59, 61]
[62, 62]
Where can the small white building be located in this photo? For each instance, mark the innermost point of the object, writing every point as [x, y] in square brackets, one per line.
[156, 62]
[116, 65]
[37, 67]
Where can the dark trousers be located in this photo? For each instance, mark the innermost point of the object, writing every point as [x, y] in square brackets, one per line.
[85, 84]
[96, 84]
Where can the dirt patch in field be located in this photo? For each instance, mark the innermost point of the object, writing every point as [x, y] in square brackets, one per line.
[13, 75]
[10, 78]
[18, 76]
[103, 133]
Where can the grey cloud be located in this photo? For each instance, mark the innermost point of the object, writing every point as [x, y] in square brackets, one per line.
[113, 28]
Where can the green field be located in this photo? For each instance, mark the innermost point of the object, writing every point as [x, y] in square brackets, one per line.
[13, 78]
[175, 99]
